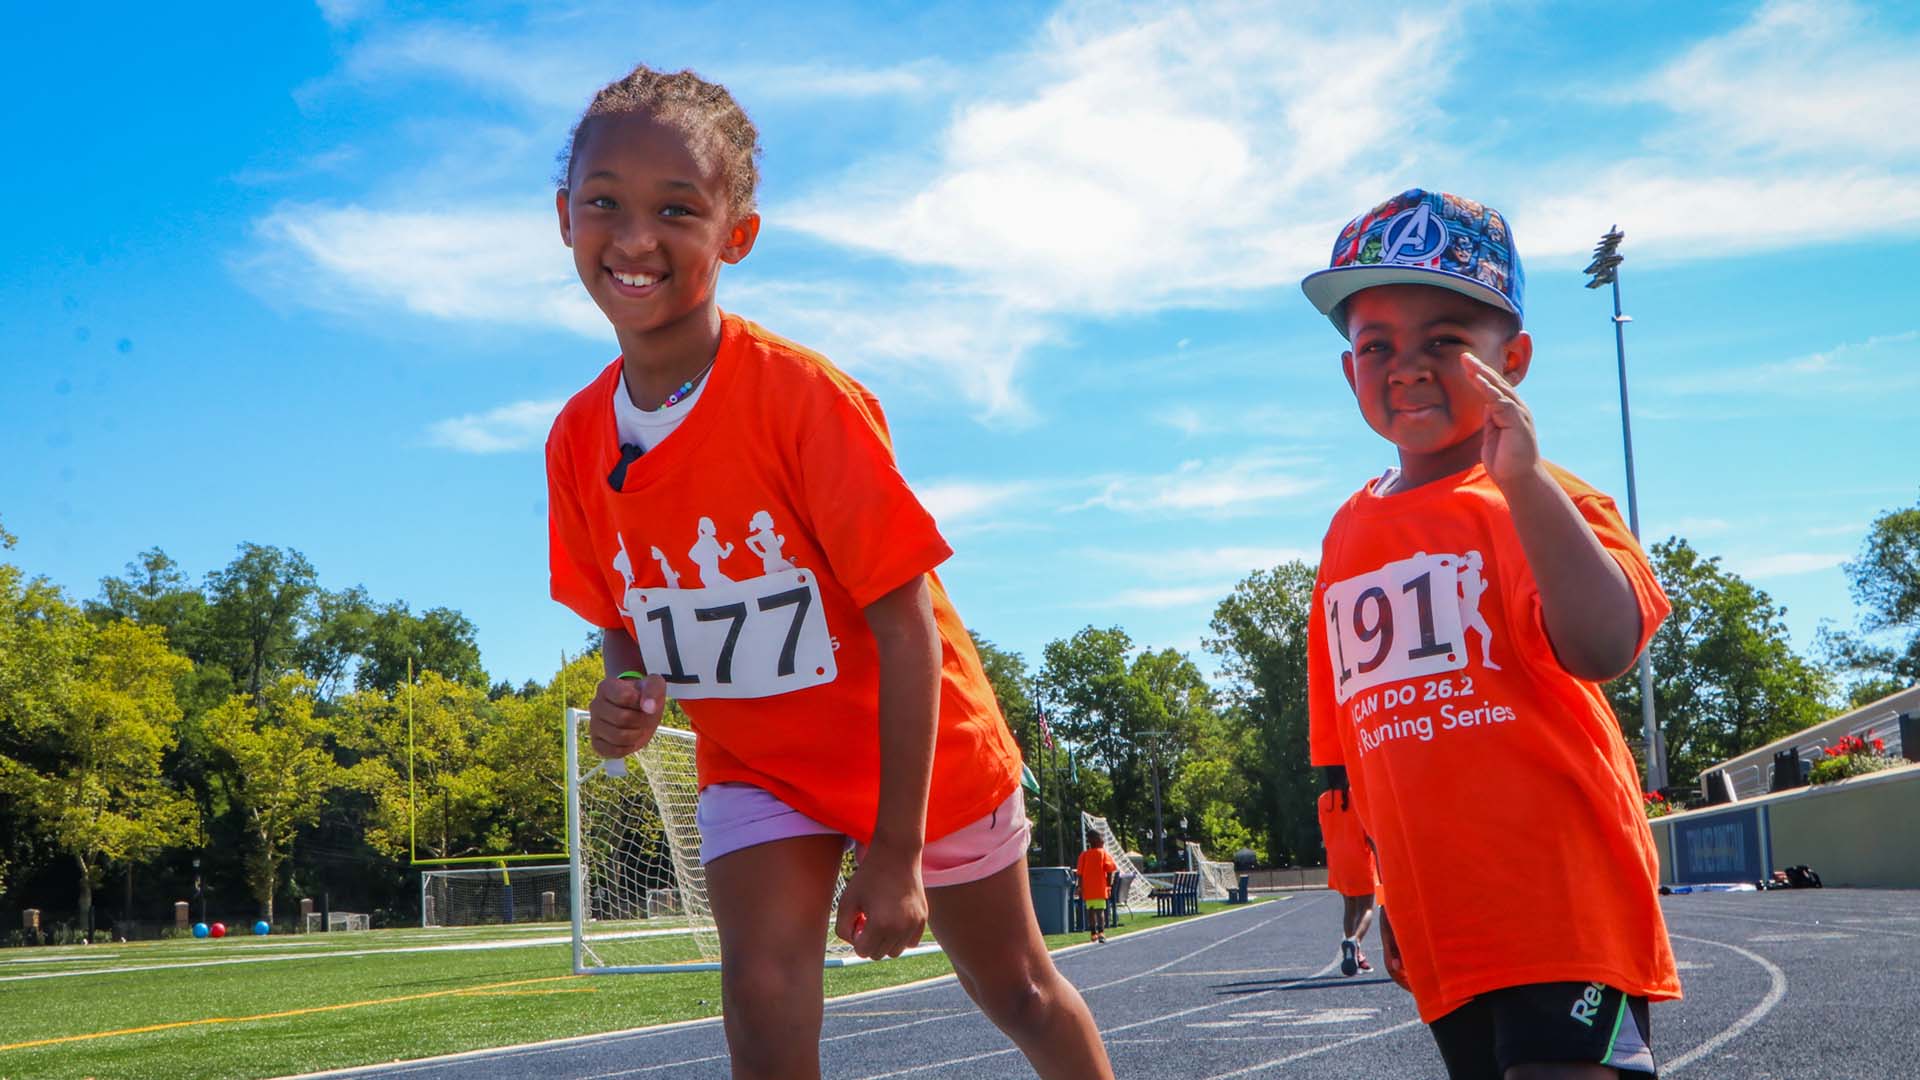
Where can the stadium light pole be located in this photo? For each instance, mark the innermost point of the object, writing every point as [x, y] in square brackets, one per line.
[1605, 270]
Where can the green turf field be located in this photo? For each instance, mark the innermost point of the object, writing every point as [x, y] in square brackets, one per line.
[261, 1007]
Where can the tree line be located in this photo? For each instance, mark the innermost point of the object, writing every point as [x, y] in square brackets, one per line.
[244, 740]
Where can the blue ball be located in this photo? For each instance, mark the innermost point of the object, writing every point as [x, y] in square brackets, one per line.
[261, 927]
[200, 929]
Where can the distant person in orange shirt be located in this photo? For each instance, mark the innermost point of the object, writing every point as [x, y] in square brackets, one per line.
[1349, 868]
[1469, 604]
[789, 602]
[1094, 866]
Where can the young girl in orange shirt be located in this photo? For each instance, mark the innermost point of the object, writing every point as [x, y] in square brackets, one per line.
[787, 599]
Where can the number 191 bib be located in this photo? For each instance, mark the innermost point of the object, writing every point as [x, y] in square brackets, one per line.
[1402, 621]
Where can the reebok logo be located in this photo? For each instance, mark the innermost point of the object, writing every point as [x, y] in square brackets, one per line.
[1588, 1006]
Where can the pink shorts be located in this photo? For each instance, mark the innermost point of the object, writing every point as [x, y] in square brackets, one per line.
[735, 816]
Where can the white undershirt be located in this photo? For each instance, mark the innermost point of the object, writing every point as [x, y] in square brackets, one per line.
[638, 427]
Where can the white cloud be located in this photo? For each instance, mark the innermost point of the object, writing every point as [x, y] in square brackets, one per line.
[1175, 597]
[1785, 564]
[557, 73]
[1217, 488]
[952, 502]
[1882, 365]
[1131, 159]
[974, 348]
[1202, 562]
[1155, 161]
[1678, 209]
[339, 13]
[489, 266]
[1239, 421]
[1799, 77]
[1781, 134]
[517, 426]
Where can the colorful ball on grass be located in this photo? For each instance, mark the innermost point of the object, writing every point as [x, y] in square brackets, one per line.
[200, 930]
[261, 928]
[218, 929]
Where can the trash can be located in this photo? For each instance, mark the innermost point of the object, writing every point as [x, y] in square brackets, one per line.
[1051, 886]
[1239, 895]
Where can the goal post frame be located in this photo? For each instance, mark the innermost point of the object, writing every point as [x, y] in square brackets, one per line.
[578, 773]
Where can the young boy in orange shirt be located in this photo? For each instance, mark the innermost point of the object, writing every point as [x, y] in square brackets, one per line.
[1490, 774]
[1349, 868]
[1094, 866]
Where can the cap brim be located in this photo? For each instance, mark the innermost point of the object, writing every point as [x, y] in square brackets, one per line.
[1329, 289]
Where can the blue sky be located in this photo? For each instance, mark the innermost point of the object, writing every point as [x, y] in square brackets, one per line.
[290, 275]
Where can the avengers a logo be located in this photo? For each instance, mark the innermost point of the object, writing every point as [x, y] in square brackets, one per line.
[1414, 237]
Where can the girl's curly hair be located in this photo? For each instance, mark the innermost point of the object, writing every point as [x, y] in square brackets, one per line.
[704, 110]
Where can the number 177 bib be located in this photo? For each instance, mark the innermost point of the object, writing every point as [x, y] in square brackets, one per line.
[736, 639]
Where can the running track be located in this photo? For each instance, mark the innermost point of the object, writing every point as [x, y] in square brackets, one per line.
[1801, 984]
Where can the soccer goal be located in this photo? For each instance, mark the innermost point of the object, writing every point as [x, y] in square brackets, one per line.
[1217, 879]
[335, 922]
[1139, 889]
[634, 850]
[495, 896]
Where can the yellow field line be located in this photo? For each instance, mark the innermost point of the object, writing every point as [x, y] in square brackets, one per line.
[280, 1015]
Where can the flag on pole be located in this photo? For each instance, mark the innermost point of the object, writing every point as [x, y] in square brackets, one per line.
[1046, 732]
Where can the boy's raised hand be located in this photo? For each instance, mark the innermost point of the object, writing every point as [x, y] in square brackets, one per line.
[1510, 450]
[626, 712]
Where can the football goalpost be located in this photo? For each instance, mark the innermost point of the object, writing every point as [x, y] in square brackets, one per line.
[1216, 878]
[1139, 890]
[635, 859]
[494, 896]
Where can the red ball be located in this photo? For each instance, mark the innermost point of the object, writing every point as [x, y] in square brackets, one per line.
[218, 929]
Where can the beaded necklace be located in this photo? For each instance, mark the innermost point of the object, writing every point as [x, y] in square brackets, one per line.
[687, 387]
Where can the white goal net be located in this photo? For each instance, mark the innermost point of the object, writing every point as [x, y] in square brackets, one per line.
[335, 922]
[495, 896]
[1139, 890]
[639, 891]
[1216, 878]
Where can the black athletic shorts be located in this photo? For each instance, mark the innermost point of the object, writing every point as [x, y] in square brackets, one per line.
[1545, 1023]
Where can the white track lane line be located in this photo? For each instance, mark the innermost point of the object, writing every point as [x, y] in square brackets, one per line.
[1850, 927]
[1331, 967]
[1775, 994]
[1290, 1058]
[476, 946]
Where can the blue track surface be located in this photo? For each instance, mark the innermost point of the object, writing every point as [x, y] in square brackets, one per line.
[1804, 984]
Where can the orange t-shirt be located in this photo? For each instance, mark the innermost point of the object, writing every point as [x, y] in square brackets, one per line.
[1094, 866]
[1499, 794]
[1349, 860]
[740, 552]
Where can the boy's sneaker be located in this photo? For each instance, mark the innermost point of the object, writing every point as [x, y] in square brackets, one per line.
[1349, 957]
[1360, 958]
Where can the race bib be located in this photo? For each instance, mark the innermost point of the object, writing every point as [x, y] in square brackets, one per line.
[1401, 621]
[738, 639]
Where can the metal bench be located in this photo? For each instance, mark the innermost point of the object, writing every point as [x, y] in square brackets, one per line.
[1179, 896]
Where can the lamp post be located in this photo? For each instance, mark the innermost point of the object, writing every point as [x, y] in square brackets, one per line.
[1605, 270]
[1159, 829]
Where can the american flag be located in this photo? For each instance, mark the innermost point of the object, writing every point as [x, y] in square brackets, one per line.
[1046, 732]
